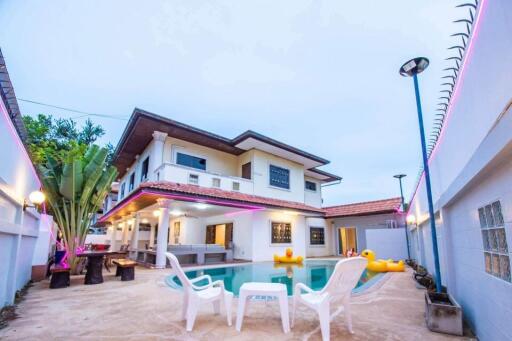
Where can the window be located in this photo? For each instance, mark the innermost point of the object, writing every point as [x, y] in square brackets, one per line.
[144, 170]
[193, 179]
[246, 171]
[391, 224]
[281, 233]
[494, 239]
[121, 193]
[216, 182]
[177, 228]
[190, 161]
[132, 182]
[310, 186]
[279, 177]
[316, 236]
[236, 186]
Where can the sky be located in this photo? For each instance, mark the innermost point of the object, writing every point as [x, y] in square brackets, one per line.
[320, 75]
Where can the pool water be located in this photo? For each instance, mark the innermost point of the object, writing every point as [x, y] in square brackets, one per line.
[313, 273]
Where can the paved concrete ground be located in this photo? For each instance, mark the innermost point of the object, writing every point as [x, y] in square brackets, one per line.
[146, 309]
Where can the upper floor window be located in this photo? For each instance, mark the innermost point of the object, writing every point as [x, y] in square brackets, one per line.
[121, 192]
[144, 170]
[190, 161]
[236, 186]
[279, 177]
[132, 182]
[193, 179]
[494, 238]
[310, 185]
[246, 171]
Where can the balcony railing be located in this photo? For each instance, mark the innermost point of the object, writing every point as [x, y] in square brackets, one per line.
[186, 175]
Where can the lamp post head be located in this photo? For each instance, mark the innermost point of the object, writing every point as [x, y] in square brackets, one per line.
[414, 66]
[400, 176]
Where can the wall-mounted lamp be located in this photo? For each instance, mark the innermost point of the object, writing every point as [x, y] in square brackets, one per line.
[156, 213]
[411, 219]
[36, 198]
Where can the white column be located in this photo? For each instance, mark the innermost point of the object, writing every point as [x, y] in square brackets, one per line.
[157, 155]
[152, 236]
[113, 239]
[126, 229]
[135, 234]
[163, 232]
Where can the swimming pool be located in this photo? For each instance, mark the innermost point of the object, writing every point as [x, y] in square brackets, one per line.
[313, 273]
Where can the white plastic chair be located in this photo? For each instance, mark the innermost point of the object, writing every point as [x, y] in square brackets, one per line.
[195, 296]
[344, 278]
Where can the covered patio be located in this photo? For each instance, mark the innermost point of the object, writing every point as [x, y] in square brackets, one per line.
[199, 225]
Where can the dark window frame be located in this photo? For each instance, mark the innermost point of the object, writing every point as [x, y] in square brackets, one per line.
[188, 160]
[121, 190]
[144, 169]
[316, 236]
[131, 183]
[279, 177]
[306, 182]
[247, 170]
[283, 233]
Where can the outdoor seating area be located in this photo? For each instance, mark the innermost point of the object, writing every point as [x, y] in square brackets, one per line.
[192, 254]
[393, 310]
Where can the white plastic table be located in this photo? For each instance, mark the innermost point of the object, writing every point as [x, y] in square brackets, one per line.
[277, 290]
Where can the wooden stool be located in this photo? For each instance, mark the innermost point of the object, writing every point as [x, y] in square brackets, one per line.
[60, 276]
[125, 269]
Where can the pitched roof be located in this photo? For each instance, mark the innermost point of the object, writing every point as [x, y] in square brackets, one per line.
[364, 208]
[138, 133]
[228, 195]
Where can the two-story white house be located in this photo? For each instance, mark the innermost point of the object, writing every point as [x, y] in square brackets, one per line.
[182, 185]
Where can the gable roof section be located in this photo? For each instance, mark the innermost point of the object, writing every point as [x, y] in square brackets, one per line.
[364, 208]
[138, 134]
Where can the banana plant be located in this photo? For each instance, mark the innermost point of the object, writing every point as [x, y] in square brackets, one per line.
[75, 187]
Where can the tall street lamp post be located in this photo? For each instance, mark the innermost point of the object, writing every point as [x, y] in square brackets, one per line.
[412, 68]
[399, 177]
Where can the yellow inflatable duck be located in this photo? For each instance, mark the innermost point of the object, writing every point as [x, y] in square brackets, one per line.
[288, 258]
[382, 265]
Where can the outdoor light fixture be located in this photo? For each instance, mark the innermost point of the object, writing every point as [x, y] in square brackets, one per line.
[145, 221]
[411, 69]
[176, 213]
[411, 219]
[36, 198]
[156, 213]
[201, 206]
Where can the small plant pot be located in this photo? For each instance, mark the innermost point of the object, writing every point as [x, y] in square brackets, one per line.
[443, 314]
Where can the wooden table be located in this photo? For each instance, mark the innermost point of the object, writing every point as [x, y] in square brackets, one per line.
[94, 273]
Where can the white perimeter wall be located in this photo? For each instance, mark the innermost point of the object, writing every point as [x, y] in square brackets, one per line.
[18, 229]
[387, 243]
[471, 169]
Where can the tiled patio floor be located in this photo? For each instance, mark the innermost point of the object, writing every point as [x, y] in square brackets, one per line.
[146, 309]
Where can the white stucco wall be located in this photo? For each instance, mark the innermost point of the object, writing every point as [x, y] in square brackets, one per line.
[18, 229]
[471, 168]
[320, 250]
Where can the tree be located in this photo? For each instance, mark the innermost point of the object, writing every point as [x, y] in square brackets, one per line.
[55, 137]
[75, 187]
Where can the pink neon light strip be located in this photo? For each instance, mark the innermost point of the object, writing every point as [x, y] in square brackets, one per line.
[184, 198]
[456, 92]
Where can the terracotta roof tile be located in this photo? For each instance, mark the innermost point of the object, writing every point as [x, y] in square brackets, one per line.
[363, 208]
[228, 195]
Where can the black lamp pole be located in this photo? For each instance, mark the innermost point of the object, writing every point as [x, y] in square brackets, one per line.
[399, 177]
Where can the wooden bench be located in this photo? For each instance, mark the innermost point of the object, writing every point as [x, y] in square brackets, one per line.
[60, 276]
[125, 269]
